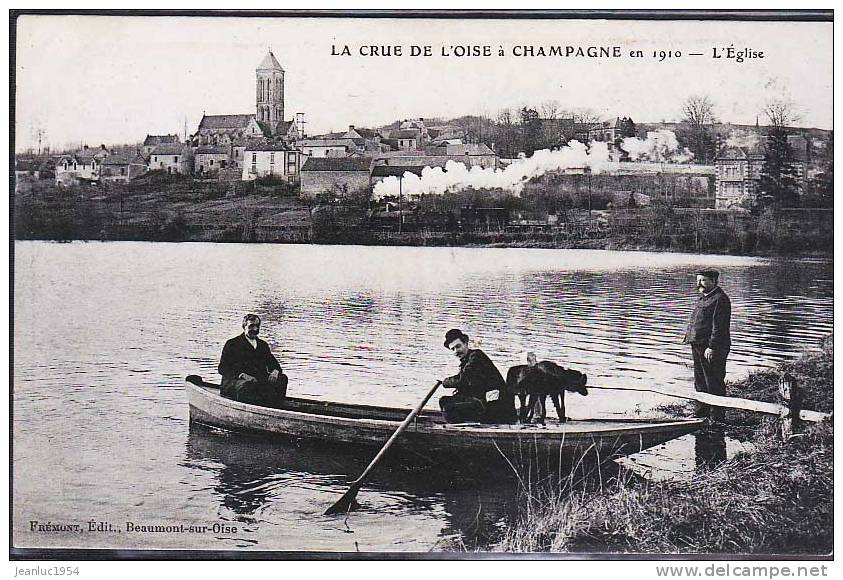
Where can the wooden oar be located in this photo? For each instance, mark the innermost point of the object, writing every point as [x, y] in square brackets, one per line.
[729, 402]
[345, 503]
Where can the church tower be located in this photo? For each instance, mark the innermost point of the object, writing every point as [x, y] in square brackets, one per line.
[270, 91]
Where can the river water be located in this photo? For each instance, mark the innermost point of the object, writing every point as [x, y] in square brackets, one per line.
[106, 332]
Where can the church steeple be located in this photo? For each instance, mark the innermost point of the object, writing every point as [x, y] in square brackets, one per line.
[269, 79]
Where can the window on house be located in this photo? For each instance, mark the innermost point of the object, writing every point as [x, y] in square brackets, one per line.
[211, 162]
[122, 171]
[272, 158]
[254, 158]
[291, 164]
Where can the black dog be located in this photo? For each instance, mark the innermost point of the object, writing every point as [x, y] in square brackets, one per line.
[539, 381]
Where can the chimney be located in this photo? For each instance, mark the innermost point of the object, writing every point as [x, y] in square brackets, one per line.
[351, 127]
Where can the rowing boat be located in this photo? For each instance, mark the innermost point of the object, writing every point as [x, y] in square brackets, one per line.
[370, 426]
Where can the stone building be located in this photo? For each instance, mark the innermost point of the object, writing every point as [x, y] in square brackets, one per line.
[122, 168]
[346, 174]
[208, 160]
[152, 141]
[269, 86]
[327, 147]
[738, 170]
[271, 159]
[268, 119]
[83, 165]
[223, 130]
[171, 158]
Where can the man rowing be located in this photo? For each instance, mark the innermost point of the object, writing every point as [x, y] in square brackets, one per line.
[250, 373]
[480, 391]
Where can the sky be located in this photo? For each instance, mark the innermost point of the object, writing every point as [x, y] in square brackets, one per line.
[105, 79]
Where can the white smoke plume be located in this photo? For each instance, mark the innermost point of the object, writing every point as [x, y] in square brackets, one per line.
[455, 176]
[659, 146]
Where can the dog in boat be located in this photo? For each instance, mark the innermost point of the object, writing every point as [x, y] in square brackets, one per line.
[535, 381]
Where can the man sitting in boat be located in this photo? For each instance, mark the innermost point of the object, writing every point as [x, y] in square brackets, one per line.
[481, 393]
[250, 373]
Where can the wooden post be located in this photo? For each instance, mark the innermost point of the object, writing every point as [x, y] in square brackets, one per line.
[791, 396]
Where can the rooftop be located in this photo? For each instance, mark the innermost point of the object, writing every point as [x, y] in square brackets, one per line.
[224, 121]
[269, 62]
[337, 164]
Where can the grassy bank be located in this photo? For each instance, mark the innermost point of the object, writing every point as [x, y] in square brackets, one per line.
[776, 499]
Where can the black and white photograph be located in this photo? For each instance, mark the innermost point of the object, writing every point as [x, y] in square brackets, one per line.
[422, 285]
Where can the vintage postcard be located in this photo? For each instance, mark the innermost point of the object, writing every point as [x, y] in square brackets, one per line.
[297, 285]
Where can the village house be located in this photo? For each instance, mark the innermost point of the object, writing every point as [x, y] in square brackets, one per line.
[322, 174]
[31, 168]
[122, 168]
[738, 170]
[208, 160]
[408, 139]
[271, 159]
[471, 154]
[153, 141]
[171, 158]
[81, 166]
[327, 147]
[446, 135]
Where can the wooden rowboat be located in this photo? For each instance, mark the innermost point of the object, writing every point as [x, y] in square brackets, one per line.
[370, 426]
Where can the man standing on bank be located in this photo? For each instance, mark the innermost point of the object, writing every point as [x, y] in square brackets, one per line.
[708, 335]
[250, 374]
[481, 393]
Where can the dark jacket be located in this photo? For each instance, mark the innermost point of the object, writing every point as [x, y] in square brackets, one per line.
[478, 375]
[238, 356]
[709, 323]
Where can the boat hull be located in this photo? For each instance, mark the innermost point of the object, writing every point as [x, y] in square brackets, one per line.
[428, 435]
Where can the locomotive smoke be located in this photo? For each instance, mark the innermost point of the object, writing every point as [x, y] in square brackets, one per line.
[659, 146]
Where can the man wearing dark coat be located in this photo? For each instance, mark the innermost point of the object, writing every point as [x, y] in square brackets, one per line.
[480, 391]
[250, 373]
[708, 335]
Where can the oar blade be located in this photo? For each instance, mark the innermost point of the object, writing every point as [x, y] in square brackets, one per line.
[346, 503]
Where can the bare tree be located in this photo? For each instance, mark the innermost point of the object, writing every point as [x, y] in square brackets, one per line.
[550, 109]
[781, 112]
[698, 115]
[698, 110]
[587, 117]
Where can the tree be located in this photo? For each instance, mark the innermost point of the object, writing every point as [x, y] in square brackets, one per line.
[505, 133]
[781, 113]
[698, 116]
[779, 182]
[822, 185]
[627, 129]
[531, 130]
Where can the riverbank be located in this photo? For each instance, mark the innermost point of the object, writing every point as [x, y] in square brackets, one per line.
[775, 499]
[208, 212]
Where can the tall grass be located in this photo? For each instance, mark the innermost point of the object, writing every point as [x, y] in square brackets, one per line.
[776, 499]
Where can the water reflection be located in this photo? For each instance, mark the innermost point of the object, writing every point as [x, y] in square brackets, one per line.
[353, 324]
[251, 473]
